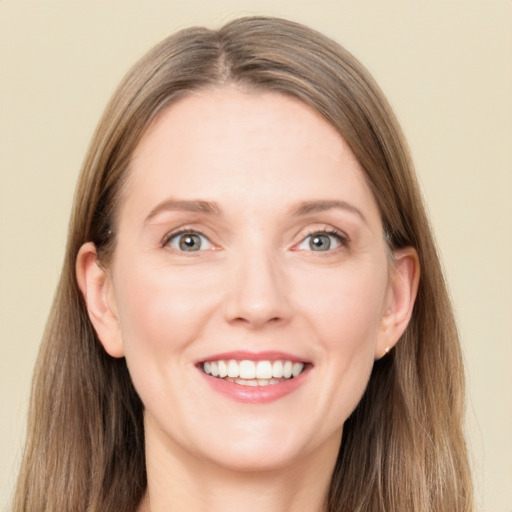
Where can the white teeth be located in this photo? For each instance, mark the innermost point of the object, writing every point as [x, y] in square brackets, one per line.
[264, 370]
[255, 382]
[297, 369]
[253, 373]
[247, 370]
[232, 368]
[277, 369]
[287, 369]
[223, 369]
[247, 382]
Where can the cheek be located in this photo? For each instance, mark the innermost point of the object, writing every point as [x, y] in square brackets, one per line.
[161, 309]
[345, 305]
[161, 312]
[345, 310]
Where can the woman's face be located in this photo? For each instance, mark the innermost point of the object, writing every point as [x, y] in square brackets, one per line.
[248, 245]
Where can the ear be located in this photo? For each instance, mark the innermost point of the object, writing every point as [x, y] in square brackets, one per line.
[96, 286]
[403, 287]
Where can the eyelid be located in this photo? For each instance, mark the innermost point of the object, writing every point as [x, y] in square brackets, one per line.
[186, 231]
[341, 238]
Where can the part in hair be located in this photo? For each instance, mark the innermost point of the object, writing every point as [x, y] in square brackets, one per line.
[403, 448]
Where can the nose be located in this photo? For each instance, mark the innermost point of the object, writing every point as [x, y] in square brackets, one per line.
[258, 293]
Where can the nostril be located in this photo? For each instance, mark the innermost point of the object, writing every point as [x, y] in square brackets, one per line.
[253, 321]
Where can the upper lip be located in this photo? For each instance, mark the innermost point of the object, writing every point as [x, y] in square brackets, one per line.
[241, 355]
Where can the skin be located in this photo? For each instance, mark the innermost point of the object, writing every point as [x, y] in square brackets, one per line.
[256, 284]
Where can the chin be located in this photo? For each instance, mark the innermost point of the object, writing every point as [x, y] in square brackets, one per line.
[263, 448]
[254, 461]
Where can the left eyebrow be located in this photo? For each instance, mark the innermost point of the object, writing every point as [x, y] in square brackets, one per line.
[308, 207]
[206, 207]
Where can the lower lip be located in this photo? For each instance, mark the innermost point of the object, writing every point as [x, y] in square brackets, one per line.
[256, 394]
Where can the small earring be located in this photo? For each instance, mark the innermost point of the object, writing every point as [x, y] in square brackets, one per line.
[386, 350]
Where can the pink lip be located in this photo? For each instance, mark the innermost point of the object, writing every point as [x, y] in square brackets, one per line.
[255, 394]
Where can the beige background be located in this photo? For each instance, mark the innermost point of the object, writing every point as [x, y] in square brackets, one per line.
[446, 67]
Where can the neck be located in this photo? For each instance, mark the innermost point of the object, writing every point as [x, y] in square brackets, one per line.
[180, 482]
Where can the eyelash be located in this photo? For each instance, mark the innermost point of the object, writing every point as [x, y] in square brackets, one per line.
[340, 237]
[176, 234]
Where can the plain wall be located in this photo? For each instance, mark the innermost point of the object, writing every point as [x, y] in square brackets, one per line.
[446, 66]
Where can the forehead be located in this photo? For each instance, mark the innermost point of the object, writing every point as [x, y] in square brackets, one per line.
[219, 142]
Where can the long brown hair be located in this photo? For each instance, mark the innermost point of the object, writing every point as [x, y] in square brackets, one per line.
[403, 448]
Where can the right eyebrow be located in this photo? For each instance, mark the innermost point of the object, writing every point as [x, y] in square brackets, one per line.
[308, 207]
[184, 206]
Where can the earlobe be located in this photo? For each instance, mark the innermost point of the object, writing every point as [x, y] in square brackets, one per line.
[96, 287]
[404, 281]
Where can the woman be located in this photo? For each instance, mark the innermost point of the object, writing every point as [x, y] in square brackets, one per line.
[241, 320]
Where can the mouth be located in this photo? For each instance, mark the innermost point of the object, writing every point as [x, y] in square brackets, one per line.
[247, 372]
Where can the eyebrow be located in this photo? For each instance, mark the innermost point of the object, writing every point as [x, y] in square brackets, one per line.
[184, 206]
[308, 207]
[211, 208]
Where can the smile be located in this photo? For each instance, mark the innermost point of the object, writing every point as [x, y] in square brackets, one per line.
[253, 373]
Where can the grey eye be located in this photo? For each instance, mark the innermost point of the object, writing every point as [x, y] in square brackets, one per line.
[189, 242]
[321, 241]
